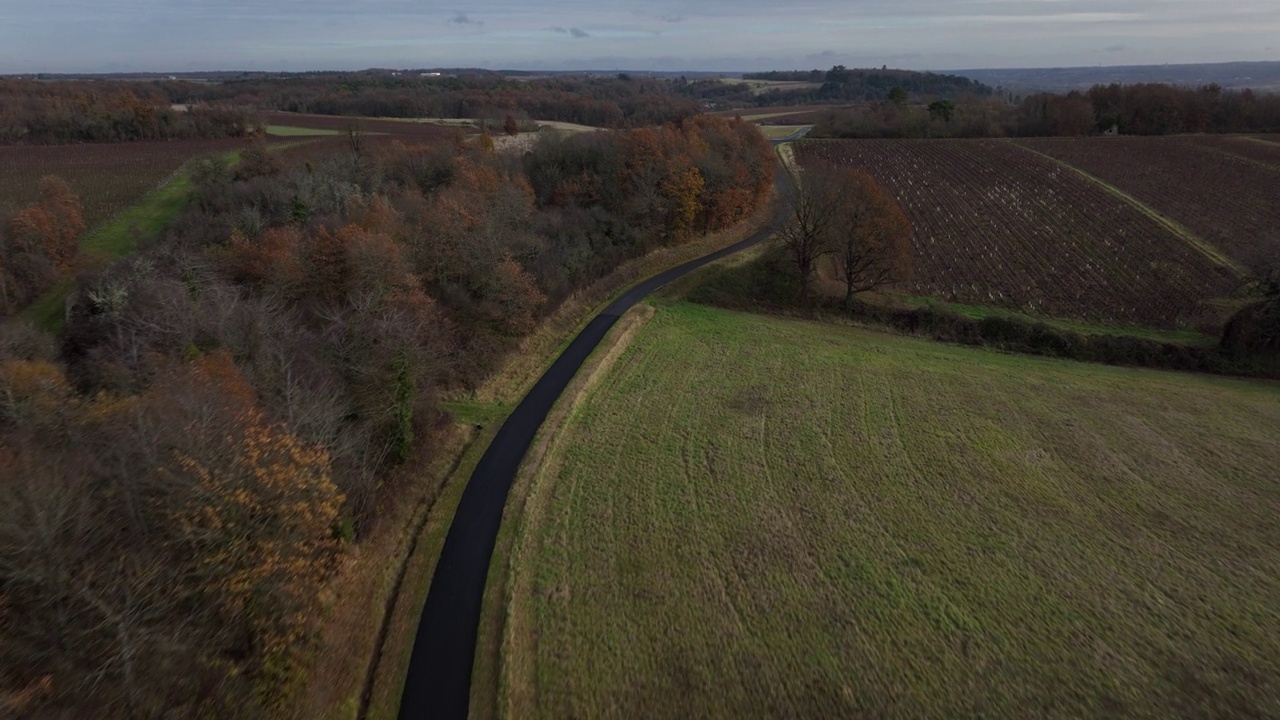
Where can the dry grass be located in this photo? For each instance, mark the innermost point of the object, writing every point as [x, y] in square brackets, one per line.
[760, 517]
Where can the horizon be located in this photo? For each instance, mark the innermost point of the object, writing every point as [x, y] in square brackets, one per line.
[137, 36]
[634, 70]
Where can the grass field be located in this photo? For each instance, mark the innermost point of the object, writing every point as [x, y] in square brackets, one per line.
[760, 517]
[295, 131]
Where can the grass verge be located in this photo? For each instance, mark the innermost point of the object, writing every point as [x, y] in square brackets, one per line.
[762, 517]
[486, 687]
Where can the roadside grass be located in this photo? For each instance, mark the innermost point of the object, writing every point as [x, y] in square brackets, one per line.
[294, 131]
[764, 517]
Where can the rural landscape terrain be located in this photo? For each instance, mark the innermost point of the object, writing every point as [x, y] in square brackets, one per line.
[459, 393]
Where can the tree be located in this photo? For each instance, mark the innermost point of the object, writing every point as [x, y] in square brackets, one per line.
[510, 126]
[873, 235]
[942, 110]
[807, 234]
[898, 95]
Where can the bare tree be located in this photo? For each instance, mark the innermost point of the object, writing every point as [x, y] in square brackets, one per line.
[808, 231]
[873, 236]
[842, 211]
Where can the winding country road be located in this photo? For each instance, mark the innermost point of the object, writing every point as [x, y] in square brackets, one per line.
[439, 681]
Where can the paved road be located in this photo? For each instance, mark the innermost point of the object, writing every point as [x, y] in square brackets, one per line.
[439, 680]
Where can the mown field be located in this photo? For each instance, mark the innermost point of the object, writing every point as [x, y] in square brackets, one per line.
[997, 225]
[761, 517]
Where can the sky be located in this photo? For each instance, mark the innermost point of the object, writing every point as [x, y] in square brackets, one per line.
[667, 35]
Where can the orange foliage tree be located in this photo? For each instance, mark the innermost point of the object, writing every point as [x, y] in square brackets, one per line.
[259, 523]
[43, 241]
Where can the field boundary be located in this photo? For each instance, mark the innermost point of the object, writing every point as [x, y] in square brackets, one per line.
[1178, 229]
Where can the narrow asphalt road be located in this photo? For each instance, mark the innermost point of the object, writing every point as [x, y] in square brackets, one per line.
[439, 681]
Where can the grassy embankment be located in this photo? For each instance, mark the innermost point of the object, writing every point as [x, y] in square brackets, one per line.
[755, 516]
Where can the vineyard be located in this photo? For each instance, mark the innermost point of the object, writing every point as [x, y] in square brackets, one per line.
[1255, 149]
[1227, 200]
[106, 177]
[996, 225]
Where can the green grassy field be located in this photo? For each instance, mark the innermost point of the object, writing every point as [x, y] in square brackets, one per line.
[294, 131]
[760, 517]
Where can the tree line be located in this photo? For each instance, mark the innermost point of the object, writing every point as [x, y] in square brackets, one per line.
[837, 85]
[73, 112]
[1140, 109]
[608, 102]
[181, 470]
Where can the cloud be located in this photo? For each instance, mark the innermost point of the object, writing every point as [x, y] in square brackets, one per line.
[1115, 48]
[672, 18]
[575, 32]
[463, 20]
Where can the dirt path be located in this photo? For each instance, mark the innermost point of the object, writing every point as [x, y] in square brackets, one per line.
[439, 680]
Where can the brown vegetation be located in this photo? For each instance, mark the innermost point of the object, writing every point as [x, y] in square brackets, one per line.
[74, 112]
[229, 402]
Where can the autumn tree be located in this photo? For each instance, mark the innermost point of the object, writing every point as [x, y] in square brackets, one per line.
[510, 126]
[41, 242]
[871, 232]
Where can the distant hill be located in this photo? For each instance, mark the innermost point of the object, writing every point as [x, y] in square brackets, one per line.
[1237, 75]
[837, 85]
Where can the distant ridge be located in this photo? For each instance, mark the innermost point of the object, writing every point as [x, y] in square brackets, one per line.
[1238, 75]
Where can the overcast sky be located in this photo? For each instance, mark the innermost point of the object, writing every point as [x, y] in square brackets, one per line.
[715, 35]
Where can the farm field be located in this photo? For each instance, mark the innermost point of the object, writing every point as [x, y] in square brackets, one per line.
[1227, 201]
[1239, 146]
[404, 129]
[997, 225]
[885, 527]
[107, 177]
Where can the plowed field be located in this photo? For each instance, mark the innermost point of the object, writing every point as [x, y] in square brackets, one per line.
[1230, 202]
[997, 225]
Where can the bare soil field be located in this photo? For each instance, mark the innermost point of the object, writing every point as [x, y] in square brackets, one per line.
[107, 177]
[996, 225]
[1228, 201]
